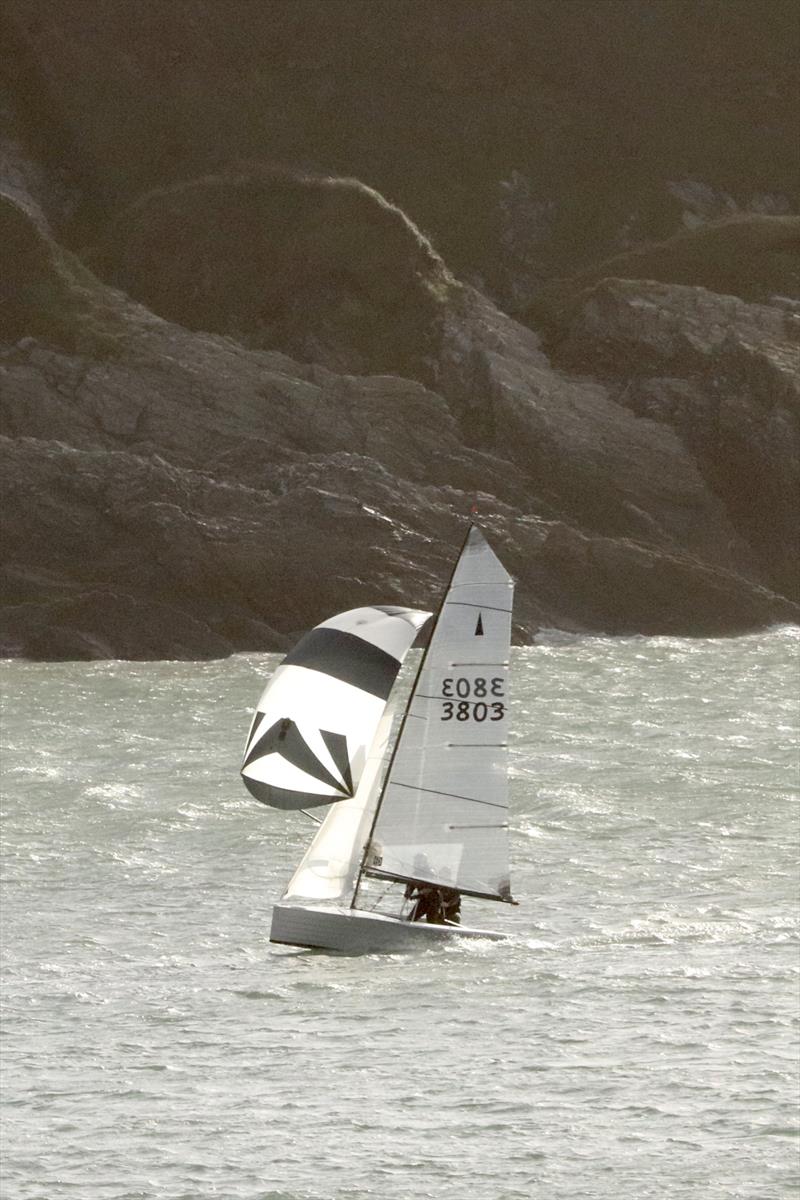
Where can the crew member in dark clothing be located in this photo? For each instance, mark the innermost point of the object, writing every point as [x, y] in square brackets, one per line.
[426, 906]
[436, 905]
[451, 906]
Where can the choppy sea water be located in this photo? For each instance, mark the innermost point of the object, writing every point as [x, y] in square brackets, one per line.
[636, 1037]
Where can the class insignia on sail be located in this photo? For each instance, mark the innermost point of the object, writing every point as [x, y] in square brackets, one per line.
[318, 715]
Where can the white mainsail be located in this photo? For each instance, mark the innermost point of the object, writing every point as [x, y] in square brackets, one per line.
[442, 815]
[319, 713]
[329, 868]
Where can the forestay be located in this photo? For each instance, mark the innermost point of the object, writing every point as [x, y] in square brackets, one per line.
[318, 715]
[443, 812]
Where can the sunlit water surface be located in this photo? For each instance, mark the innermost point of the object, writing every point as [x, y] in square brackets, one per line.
[636, 1036]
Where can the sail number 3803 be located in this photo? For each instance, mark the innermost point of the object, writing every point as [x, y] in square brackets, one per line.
[473, 699]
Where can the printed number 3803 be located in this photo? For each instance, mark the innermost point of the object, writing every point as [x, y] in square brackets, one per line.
[456, 706]
[478, 710]
[462, 688]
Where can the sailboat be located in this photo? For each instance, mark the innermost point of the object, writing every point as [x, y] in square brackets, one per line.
[423, 813]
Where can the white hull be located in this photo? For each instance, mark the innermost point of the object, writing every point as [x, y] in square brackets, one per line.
[357, 932]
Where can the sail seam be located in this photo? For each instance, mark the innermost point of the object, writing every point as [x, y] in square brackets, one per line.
[414, 787]
[460, 700]
[485, 607]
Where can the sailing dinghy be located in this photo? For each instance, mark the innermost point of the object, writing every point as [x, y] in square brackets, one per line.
[423, 813]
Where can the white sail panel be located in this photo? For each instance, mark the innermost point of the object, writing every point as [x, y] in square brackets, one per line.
[444, 808]
[329, 868]
[318, 715]
[307, 699]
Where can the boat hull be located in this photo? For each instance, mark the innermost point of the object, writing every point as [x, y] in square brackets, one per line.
[354, 931]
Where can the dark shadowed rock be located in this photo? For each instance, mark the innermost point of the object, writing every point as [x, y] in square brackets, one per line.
[323, 269]
[605, 112]
[590, 460]
[752, 257]
[292, 404]
[173, 493]
[47, 293]
[725, 376]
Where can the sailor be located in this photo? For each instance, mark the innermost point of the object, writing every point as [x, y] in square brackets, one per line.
[450, 901]
[451, 906]
[424, 894]
[427, 906]
[436, 905]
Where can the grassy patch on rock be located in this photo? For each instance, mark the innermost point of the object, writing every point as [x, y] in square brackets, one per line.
[48, 294]
[324, 269]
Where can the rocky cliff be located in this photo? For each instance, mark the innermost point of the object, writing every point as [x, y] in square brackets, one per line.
[237, 395]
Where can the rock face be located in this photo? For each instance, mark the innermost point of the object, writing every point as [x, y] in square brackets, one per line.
[725, 376]
[585, 128]
[324, 269]
[756, 258]
[257, 396]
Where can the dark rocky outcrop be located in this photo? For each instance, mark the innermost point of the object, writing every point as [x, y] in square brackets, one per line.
[754, 257]
[527, 137]
[725, 376]
[321, 268]
[236, 398]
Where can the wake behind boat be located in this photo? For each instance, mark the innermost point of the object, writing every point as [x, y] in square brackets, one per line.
[417, 821]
